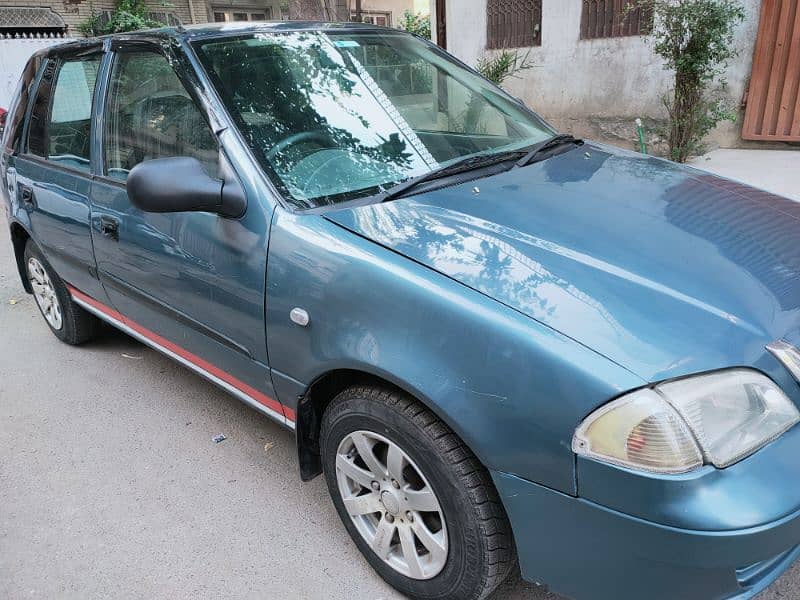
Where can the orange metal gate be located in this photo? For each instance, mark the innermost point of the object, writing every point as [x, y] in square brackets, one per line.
[773, 101]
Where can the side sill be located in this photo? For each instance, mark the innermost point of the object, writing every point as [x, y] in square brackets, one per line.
[241, 395]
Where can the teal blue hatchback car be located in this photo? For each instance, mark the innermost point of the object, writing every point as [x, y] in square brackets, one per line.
[500, 345]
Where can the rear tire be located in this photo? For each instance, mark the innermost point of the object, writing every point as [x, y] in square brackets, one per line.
[69, 322]
[473, 541]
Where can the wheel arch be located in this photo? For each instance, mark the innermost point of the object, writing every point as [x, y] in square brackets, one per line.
[318, 396]
[19, 238]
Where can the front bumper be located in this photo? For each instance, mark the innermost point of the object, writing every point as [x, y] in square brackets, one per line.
[586, 550]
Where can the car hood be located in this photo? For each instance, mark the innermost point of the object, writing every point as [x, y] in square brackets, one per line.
[664, 269]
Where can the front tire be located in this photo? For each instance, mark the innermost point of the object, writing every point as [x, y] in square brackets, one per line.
[415, 500]
[69, 322]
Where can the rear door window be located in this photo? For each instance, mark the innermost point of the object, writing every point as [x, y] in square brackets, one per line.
[61, 119]
[37, 129]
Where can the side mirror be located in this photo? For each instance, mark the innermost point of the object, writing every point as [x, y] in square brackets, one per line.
[180, 184]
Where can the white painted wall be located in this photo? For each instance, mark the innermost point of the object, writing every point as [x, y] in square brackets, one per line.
[14, 53]
[592, 79]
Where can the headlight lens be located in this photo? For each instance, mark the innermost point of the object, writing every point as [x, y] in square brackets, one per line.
[639, 430]
[718, 418]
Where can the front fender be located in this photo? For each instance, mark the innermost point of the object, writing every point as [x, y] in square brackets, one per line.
[513, 389]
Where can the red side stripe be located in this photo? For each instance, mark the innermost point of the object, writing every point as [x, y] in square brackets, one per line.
[186, 355]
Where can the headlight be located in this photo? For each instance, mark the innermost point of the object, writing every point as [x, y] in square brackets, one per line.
[719, 419]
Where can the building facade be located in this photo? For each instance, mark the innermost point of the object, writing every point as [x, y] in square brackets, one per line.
[17, 16]
[246, 10]
[28, 14]
[387, 12]
[594, 72]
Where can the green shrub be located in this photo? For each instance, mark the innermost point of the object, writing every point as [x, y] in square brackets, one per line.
[499, 67]
[416, 23]
[91, 26]
[695, 38]
[128, 15]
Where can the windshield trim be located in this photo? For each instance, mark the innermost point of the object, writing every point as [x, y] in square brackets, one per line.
[194, 44]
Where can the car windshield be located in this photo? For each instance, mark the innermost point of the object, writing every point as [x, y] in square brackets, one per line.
[338, 116]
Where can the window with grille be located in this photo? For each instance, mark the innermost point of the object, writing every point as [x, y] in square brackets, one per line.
[384, 19]
[614, 18]
[224, 15]
[167, 18]
[513, 23]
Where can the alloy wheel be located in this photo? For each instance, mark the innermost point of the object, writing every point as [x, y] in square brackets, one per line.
[391, 504]
[45, 293]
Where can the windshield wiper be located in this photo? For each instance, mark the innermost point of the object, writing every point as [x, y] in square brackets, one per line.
[469, 163]
[537, 152]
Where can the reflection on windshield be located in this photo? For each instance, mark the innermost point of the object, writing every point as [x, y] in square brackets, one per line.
[333, 117]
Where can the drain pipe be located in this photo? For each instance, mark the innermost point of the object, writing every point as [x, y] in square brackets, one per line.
[640, 131]
[192, 16]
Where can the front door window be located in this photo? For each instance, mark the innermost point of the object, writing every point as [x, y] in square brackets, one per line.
[151, 115]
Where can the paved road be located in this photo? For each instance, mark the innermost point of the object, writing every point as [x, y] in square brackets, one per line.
[777, 171]
[111, 486]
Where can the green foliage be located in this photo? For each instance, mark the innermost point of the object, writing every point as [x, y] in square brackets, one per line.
[695, 38]
[417, 24]
[92, 26]
[501, 66]
[128, 15]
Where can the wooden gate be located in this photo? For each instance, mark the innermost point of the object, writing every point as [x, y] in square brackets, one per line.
[773, 100]
[441, 23]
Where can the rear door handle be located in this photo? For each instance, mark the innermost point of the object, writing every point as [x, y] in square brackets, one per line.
[26, 196]
[11, 180]
[109, 227]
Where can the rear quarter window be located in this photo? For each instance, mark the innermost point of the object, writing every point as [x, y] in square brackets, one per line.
[37, 128]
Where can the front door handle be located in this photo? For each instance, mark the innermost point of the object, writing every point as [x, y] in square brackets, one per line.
[109, 227]
[26, 196]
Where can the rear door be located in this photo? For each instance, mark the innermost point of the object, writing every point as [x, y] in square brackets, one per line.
[53, 171]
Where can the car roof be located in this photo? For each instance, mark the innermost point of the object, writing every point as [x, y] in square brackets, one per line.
[204, 30]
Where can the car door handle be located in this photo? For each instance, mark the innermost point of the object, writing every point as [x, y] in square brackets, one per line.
[27, 197]
[109, 227]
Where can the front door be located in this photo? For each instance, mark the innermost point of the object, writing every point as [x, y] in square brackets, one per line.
[190, 283]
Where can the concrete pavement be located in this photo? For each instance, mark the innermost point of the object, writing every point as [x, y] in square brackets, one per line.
[777, 171]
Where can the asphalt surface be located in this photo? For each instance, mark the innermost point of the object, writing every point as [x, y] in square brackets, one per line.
[111, 485]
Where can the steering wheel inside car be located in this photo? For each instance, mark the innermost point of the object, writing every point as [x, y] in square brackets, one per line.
[297, 138]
